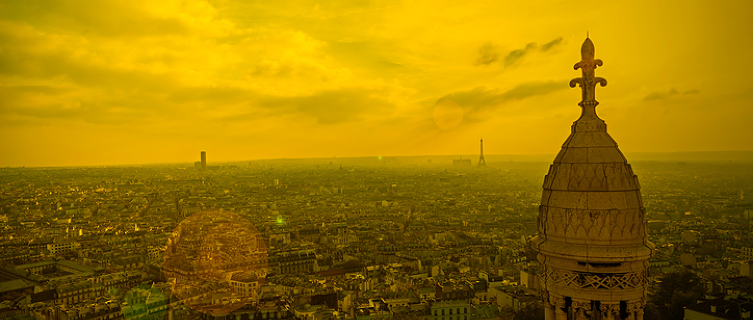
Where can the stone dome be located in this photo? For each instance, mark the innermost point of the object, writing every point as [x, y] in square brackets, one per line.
[592, 241]
[591, 202]
[591, 207]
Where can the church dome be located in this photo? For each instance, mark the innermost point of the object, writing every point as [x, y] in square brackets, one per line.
[592, 241]
[591, 207]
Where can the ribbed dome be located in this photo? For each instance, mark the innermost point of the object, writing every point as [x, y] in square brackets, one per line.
[591, 203]
[591, 207]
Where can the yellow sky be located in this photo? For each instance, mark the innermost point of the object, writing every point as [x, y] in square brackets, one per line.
[127, 82]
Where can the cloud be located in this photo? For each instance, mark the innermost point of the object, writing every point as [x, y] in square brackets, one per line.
[78, 107]
[531, 89]
[330, 106]
[515, 55]
[659, 95]
[487, 54]
[216, 95]
[551, 44]
[479, 100]
[97, 18]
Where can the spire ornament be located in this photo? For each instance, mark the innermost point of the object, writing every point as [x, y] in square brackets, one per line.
[588, 81]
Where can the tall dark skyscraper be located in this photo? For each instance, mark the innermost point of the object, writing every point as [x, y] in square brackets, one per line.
[203, 160]
[481, 161]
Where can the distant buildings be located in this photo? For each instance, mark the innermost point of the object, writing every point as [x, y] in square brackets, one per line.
[737, 308]
[461, 162]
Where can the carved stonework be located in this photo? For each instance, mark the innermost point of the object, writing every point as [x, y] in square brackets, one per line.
[590, 177]
[587, 65]
[595, 280]
[582, 305]
[589, 126]
[609, 309]
[634, 306]
[592, 224]
[559, 302]
[545, 297]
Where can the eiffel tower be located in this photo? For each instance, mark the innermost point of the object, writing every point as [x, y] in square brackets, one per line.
[481, 161]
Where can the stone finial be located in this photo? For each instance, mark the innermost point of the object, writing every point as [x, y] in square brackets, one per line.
[588, 81]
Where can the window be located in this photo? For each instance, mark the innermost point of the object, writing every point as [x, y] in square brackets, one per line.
[465, 310]
[450, 312]
[442, 312]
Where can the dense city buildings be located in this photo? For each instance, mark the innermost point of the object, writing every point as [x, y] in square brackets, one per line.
[346, 238]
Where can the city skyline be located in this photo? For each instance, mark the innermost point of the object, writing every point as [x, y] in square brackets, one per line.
[137, 83]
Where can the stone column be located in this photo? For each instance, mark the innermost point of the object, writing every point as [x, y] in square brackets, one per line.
[635, 309]
[549, 311]
[559, 308]
[581, 309]
[610, 311]
[642, 307]
[548, 307]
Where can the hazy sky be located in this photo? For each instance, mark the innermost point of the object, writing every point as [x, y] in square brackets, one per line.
[127, 82]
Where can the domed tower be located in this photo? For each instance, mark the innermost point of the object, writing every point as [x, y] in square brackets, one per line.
[592, 244]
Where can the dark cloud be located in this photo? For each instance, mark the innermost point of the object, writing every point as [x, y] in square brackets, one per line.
[481, 99]
[331, 106]
[656, 96]
[212, 95]
[659, 95]
[328, 107]
[379, 55]
[551, 44]
[487, 54]
[63, 63]
[105, 18]
[531, 89]
[109, 111]
[9, 91]
[515, 55]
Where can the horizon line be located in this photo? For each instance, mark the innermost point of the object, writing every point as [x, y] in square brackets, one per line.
[365, 156]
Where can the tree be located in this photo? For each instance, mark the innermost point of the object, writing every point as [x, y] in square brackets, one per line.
[676, 291]
[530, 311]
[651, 312]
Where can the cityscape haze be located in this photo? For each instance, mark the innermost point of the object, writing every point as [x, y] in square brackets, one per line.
[143, 83]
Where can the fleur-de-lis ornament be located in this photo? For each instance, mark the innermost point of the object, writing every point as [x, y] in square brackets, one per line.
[588, 81]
